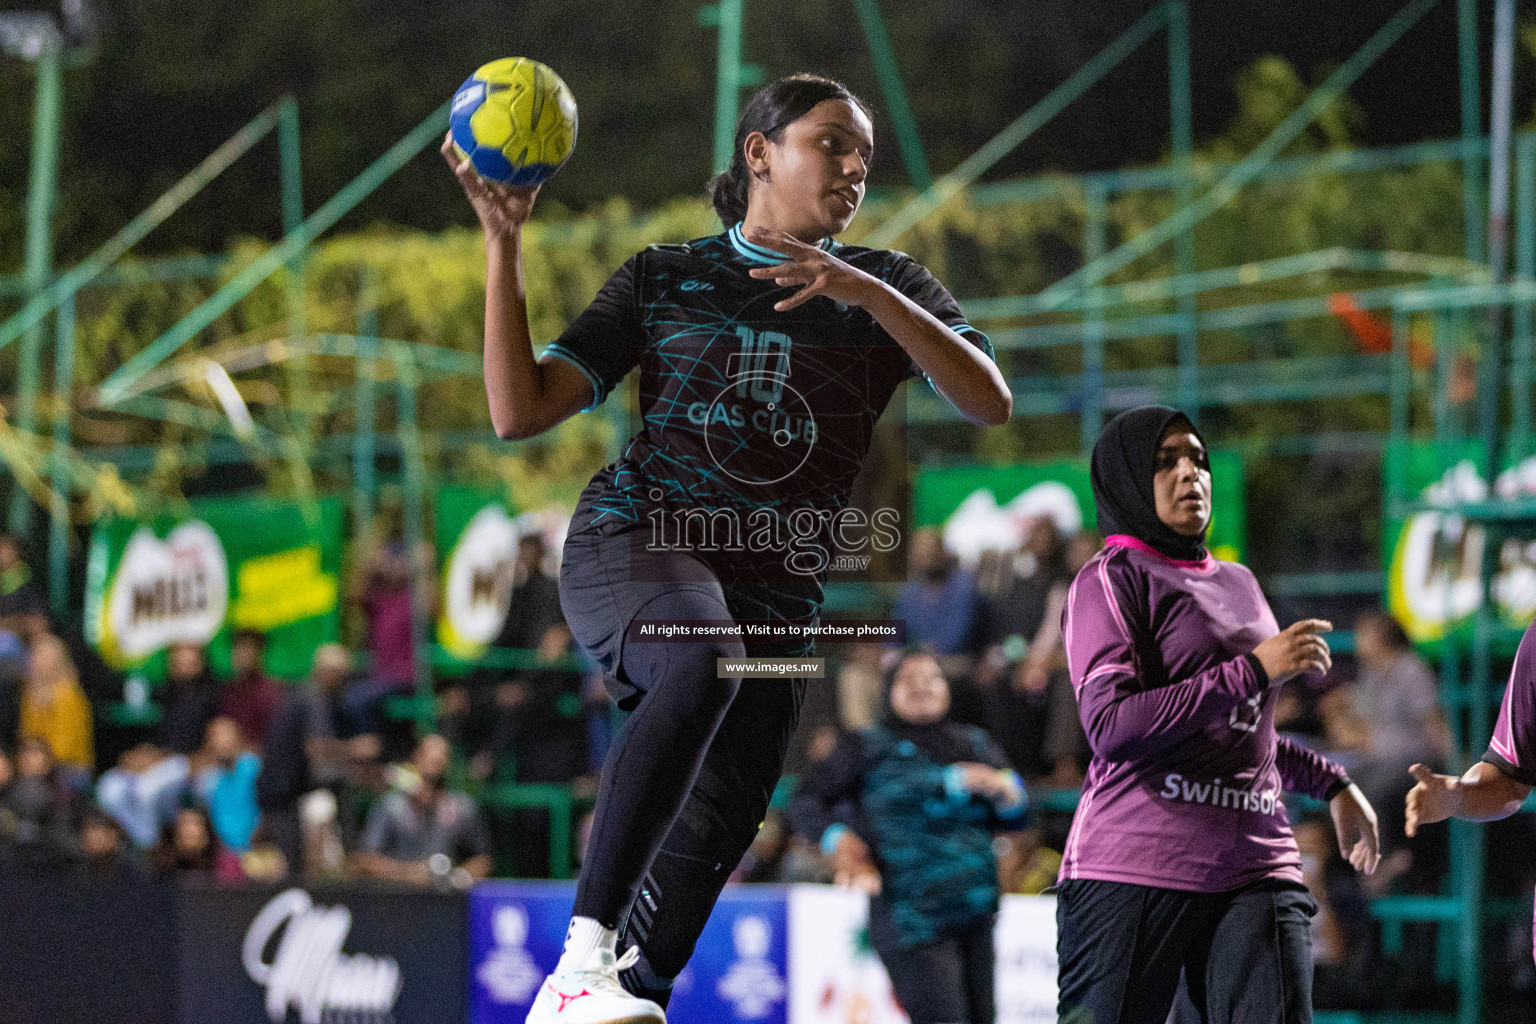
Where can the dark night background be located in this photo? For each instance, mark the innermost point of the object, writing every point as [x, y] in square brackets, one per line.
[170, 79]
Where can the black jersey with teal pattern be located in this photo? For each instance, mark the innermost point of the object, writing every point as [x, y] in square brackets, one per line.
[743, 409]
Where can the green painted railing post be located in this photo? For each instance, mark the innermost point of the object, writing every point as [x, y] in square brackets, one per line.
[1490, 386]
[1468, 867]
[907, 138]
[1525, 270]
[1471, 127]
[560, 836]
[1400, 404]
[1095, 218]
[725, 16]
[407, 381]
[290, 171]
[58, 475]
[364, 441]
[1446, 343]
[41, 193]
[1181, 104]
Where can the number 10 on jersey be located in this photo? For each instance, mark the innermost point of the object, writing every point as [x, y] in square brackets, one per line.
[764, 364]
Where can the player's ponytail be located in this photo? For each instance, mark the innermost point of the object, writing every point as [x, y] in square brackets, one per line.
[772, 110]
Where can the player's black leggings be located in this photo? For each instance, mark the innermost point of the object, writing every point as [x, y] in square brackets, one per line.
[688, 779]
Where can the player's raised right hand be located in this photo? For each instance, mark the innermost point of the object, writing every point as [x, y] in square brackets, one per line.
[502, 208]
[1296, 649]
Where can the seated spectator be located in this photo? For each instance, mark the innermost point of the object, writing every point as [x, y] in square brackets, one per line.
[765, 857]
[224, 778]
[597, 712]
[250, 696]
[37, 810]
[534, 604]
[386, 602]
[939, 602]
[859, 687]
[1025, 865]
[18, 593]
[189, 846]
[13, 676]
[105, 848]
[1016, 695]
[54, 708]
[1389, 719]
[1045, 669]
[7, 822]
[190, 699]
[100, 683]
[313, 743]
[420, 832]
[538, 726]
[144, 791]
[1016, 605]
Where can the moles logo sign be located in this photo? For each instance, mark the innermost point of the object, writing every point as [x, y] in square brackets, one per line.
[477, 583]
[165, 591]
[293, 949]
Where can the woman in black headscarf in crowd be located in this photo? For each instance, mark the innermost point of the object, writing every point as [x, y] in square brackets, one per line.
[907, 811]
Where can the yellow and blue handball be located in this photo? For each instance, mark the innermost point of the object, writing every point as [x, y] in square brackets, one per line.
[516, 120]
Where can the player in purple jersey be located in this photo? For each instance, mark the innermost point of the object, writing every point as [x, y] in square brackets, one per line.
[766, 354]
[1180, 859]
[1498, 784]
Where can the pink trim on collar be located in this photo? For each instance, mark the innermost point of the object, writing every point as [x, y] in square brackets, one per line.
[1122, 540]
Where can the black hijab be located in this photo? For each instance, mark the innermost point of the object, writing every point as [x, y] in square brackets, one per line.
[943, 741]
[1124, 463]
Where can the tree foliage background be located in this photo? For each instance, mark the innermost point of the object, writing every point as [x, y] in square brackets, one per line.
[169, 80]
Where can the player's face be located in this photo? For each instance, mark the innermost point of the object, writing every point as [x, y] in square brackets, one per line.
[1181, 483]
[815, 172]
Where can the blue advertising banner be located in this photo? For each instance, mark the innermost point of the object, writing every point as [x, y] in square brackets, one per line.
[739, 972]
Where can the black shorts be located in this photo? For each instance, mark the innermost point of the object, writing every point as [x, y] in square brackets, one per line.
[609, 578]
[1246, 955]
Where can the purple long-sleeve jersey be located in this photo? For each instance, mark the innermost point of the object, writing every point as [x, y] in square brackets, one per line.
[1184, 790]
[1513, 747]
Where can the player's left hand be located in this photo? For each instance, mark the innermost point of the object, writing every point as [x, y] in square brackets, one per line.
[818, 271]
[1354, 822]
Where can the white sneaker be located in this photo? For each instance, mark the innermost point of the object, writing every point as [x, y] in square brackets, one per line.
[593, 995]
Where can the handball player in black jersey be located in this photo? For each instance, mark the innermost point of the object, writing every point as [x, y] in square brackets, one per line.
[766, 354]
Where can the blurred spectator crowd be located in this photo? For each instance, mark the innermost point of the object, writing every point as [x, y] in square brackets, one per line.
[243, 776]
[240, 775]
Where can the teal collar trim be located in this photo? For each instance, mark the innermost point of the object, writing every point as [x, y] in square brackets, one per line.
[767, 257]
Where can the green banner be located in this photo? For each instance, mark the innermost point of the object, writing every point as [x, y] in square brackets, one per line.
[232, 563]
[478, 539]
[1433, 559]
[983, 507]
